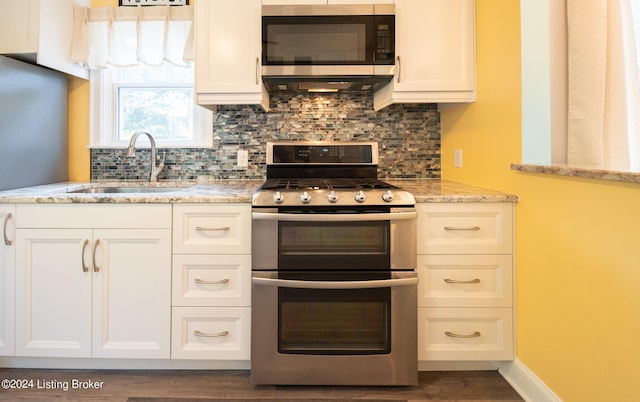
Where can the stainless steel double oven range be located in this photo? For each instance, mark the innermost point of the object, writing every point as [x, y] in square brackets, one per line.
[334, 281]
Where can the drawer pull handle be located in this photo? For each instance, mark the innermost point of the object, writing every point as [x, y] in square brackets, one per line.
[7, 242]
[205, 229]
[474, 228]
[476, 280]
[205, 335]
[84, 247]
[454, 335]
[203, 282]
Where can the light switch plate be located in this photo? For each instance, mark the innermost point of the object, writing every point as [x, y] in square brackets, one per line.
[243, 158]
[154, 2]
[457, 158]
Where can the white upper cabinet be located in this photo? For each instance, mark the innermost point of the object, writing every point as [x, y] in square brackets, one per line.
[299, 2]
[229, 53]
[40, 31]
[435, 53]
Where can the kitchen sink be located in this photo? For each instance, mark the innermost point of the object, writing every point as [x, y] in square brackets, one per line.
[125, 190]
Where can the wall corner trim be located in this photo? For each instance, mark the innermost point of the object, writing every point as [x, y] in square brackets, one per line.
[525, 382]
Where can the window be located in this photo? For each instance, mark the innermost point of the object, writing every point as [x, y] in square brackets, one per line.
[156, 99]
[547, 82]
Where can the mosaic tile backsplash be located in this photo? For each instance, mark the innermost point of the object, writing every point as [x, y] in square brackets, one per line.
[408, 137]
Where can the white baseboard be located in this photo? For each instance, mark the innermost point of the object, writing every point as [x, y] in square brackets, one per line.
[530, 388]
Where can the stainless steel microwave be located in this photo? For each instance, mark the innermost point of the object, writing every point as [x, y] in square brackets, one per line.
[328, 40]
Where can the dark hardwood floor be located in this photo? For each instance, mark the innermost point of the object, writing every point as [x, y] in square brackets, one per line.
[172, 385]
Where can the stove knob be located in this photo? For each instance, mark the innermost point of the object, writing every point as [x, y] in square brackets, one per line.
[387, 196]
[332, 196]
[278, 197]
[305, 198]
[360, 196]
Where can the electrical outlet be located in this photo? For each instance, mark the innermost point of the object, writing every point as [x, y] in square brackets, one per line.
[243, 158]
[457, 158]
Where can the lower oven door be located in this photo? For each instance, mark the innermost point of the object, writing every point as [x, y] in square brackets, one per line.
[352, 332]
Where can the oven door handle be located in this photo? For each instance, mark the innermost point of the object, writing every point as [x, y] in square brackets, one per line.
[266, 216]
[384, 283]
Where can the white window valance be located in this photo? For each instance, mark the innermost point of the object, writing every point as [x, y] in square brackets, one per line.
[128, 36]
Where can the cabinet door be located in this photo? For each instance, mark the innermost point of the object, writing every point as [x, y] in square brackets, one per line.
[435, 53]
[435, 44]
[7, 278]
[53, 292]
[40, 31]
[132, 293]
[19, 26]
[228, 52]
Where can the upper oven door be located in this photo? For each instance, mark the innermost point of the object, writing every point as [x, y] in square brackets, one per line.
[338, 40]
[334, 241]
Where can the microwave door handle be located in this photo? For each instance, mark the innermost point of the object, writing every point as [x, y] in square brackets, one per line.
[266, 216]
[384, 283]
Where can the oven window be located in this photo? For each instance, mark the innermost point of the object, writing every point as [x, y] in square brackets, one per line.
[334, 245]
[334, 322]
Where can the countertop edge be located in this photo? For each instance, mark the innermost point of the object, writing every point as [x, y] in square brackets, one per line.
[588, 173]
[233, 191]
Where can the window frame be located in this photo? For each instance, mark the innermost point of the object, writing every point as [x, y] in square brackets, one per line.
[103, 116]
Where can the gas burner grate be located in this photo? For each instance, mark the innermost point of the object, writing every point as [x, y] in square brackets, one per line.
[318, 183]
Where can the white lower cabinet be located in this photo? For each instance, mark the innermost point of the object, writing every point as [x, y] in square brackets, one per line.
[211, 294]
[102, 290]
[7, 279]
[465, 293]
[465, 334]
[211, 333]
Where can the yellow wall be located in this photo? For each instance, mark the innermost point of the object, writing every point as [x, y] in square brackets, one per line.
[578, 240]
[79, 155]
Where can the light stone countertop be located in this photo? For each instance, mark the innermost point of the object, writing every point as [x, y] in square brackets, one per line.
[230, 191]
[577, 171]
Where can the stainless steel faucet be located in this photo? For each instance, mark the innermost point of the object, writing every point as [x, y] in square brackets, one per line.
[155, 169]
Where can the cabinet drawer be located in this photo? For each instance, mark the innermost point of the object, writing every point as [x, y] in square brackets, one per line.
[465, 334]
[212, 229]
[465, 228]
[211, 280]
[104, 216]
[211, 333]
[465, 281]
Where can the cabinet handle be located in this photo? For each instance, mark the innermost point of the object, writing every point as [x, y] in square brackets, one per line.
[456, 281]
[205, 335]
[206, 229]
[462, 228]
[454, 335]
[96, 268]
[257, 70]
[84, 247]
[202, 282]
[399, 69]
[4, 229]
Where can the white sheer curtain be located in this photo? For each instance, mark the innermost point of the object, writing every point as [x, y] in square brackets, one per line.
[604, 85]
[127, 36]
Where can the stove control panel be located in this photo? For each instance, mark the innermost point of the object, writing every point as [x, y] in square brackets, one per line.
[326, 197]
